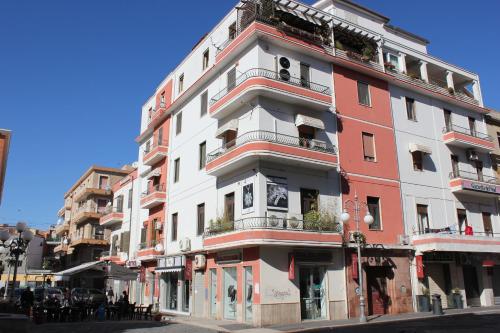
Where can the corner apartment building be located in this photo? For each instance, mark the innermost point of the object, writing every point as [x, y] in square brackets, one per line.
[4, 152]
[283, 112]
[83, 239]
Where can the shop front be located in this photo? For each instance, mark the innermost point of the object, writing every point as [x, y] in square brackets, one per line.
[175, 283]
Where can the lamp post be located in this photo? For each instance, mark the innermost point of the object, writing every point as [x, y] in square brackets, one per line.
[356, 206]
[16, 246]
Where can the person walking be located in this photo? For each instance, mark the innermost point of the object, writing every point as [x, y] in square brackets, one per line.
[110, 295]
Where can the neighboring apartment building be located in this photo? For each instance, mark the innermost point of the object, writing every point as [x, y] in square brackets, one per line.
[250, 148]
[4, 152]
[83, 239]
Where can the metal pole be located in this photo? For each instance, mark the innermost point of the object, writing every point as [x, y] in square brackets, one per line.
[14, 277]
[357, 209]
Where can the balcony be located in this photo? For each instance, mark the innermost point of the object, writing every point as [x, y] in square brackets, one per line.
[92, 240]
[473, 183]
[149, 250]
[89, 211]
[155, 195]
[272, 230]
[61, 212]
[274, 147]
[61, 248]
[62, 228]
[155, 153]
[463, 137]
[449, 240]
[157, 112]
[264, 82]
[53, 240]
[117, 257]
[86, 192]
[111, 216]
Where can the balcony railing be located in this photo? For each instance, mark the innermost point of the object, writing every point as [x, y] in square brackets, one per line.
[358, 58]
[474, 176]
[111, 209]
[272, 137]
[455, 231]
[467, 131]
[156, 144]
[156, 111]
[153, 188]
[148, 245]
[273, 223]
[268, 74]
[82, 237]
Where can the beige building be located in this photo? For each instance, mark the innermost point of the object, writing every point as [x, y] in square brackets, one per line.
[493, 124]
[83, 239]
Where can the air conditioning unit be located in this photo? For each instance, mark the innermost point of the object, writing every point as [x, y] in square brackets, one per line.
[200, 262]
[185, 244]
[472, 155]
[283, 67]
[404, 239]
[318, 144]
[158, 225]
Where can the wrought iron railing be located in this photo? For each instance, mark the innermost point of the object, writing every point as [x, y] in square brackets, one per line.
[466, 131]
[358, 58]
[283, 139]
[274, 223]
[474, 176]
[269, 74]
[454, 230]
[154, 188]
[111, 209]
[147, 245]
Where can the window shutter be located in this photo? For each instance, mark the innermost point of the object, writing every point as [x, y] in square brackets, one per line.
[125, 241]
[368, 145]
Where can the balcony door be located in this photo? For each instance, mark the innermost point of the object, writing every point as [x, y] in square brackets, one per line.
[447, 120]
[488, 229]
[472, 126]
[423, 219]
[454, 165]
[309, 200]
[229, 206]
[462, 220]
[479, 171]
[231, 79]
[103, 182]
[101, 205]
[306, 134]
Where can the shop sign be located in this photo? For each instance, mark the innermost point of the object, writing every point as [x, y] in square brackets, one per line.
[420, 267]
[488, 263]
[170, 262]
[291, 266]
[480, 187]
[228, 257]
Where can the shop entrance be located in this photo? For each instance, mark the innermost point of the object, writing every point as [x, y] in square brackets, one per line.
[171, 280]
[471, 285]
[312, 292]
[230, 292]
[376, 282]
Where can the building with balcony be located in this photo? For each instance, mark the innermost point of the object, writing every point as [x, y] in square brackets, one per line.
[81, 235]
[4, 152]
[250, 147]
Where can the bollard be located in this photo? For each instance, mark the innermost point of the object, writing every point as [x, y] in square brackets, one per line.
[437, 307]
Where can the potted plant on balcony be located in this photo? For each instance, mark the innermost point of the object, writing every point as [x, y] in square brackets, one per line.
[339, 45]
[367, 53]
[424, 301]
[457, 298]
[389, 65]
[221, 224]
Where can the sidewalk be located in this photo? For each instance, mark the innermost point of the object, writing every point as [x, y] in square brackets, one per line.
[231, 326]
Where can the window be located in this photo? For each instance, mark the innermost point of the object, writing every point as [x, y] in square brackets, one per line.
[462, 220]
[393, 60]
[103, 182]
[472, 126]
[418, 160]
[150, 114]
[364, 93]
[174, 226]
[160, 136]
[454, 165]
[498, 138]
[177, 166]
[488, 229]
[130, 193]
[181, 83]
[479, 170]
[410, 109]
[231, 79]
[368, 147]
[152, 232]
[204, 104]
[305, 75]
[202, 155]
[374, 209]
[205, 59]
[309, 200]
[423, 219]
[162, 100]
[147, 149]
[447, 120]
[229, 206]
[119, 204]
[178, 124]
[232, 31]
[201, 219]
[143, 235]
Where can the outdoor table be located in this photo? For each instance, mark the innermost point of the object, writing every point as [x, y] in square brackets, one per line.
[140, 310]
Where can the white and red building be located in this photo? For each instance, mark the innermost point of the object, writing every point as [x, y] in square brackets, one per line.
[250, 147]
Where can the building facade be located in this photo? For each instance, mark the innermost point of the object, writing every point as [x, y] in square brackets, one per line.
[254, 144]
[4, 152]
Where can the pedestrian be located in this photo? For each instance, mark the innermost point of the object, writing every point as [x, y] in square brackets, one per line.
[27, 299]
[125, 296]
[2, 292]
[110, 295]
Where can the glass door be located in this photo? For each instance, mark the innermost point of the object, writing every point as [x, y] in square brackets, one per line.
[171, 294]
[230, 293]
[312, 293]
[213, 292]
[248, 294]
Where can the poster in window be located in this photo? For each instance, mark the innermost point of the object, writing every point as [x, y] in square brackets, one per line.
[277, 193]
[248, 198]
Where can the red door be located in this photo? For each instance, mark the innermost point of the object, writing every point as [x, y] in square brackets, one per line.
[378, 300]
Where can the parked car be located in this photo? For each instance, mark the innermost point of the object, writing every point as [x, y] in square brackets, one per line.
[87, 295]
[43, 294]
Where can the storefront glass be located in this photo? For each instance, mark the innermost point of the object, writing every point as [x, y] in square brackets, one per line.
[213, 292]
[248, 297]
[312, 292]
[230, 292]
[187, 293]
[171, 281]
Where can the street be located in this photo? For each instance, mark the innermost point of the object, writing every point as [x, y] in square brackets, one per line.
[117, 326]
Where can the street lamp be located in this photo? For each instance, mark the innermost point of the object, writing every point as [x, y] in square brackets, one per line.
[16, 246]
[356, 206]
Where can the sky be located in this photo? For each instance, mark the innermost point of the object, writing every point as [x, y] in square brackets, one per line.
[74, 75]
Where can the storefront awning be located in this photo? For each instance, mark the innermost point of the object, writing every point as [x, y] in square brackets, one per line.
[231, 125]
[110, 270]
[168, 269]
[302, 120]
[417, 147]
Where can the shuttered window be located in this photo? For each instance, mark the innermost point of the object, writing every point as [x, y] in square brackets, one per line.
[368, 147]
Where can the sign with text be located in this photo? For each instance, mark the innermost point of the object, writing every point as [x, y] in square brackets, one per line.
[479, 186]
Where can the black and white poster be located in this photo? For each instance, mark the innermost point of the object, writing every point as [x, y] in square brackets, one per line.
[277, 193]
[248, 198]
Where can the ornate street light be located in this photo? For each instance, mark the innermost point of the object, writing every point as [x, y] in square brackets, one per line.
[16, 246]
[356, 206]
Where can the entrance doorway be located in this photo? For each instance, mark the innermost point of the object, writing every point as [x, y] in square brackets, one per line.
[171, 280]
[471, 285]
[213, 292]
[312, 292]
[230, 293]
[378, 299]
